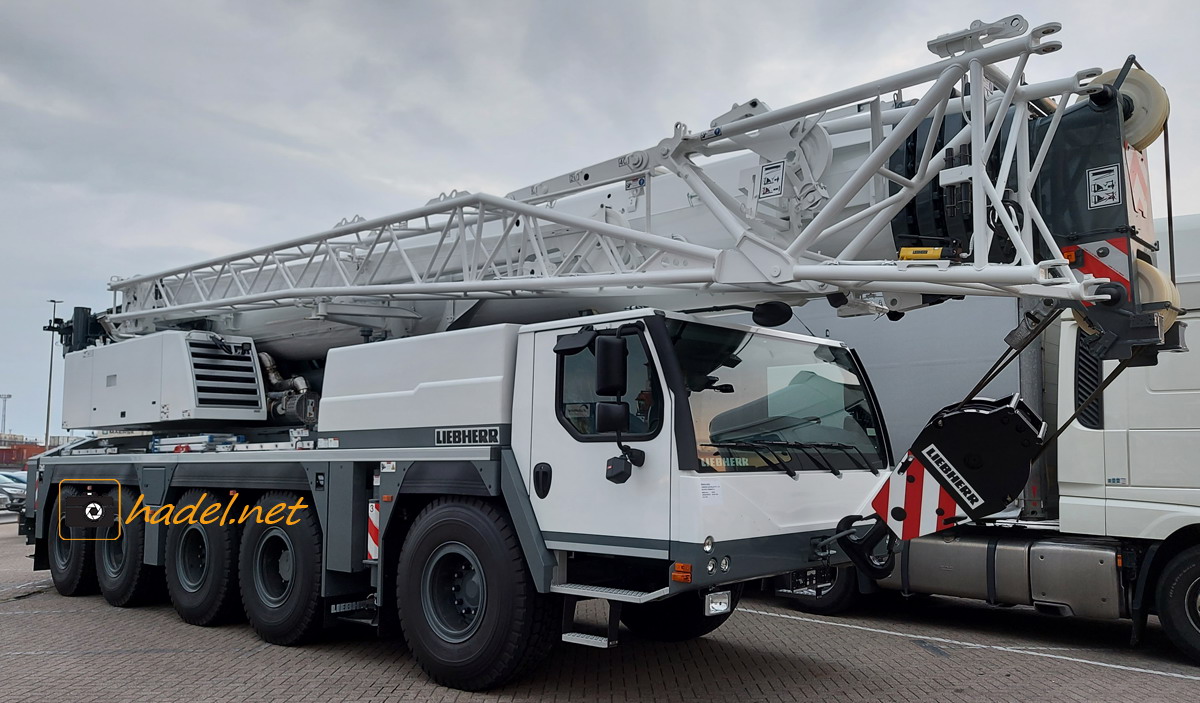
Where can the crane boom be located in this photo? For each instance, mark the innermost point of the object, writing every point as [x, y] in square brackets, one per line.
[816, 210]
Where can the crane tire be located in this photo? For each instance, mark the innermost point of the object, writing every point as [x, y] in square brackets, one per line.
[71, 559]
[468, 607]
[124, 578]
[279, 569]
[202, 567]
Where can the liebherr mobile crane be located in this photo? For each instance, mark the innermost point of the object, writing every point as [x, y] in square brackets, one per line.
[496, 407]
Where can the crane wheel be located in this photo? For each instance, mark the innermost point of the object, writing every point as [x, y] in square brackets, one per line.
[675, 619]
[202, 567]
[468, 607]
[124, 579]
[71, 552]
[280, 573]
[1178, 601]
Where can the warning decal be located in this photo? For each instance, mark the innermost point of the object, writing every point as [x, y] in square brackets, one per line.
[770, 180]
[1103, 186]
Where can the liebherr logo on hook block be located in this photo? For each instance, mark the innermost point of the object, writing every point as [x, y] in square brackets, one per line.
[941, 465]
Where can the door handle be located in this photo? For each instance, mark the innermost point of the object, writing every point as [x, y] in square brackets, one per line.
[542, 475]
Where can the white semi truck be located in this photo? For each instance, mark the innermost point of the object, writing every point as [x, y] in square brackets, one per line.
[1109, 524]
[467, 417]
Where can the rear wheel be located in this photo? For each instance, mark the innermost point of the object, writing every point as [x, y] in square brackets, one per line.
[1179, 601]
[202, 567]
[468, 607]
[280, 573]
[124, 579]
[71, 551]
[675, 619]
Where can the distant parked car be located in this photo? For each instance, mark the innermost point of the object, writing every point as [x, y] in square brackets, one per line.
[12, 494]
[18, 476]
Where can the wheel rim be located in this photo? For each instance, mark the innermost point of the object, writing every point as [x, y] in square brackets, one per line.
[61, 551]
[453, 592]
[112, 552]
[274, 567]
[191, 566]
[1191, 604]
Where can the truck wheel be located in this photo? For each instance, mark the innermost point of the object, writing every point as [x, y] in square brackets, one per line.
[675, 619]
[71, 560]
[829, 599]
[1179, 601]
[468, 608]
[124, 579]
[202, 567]
[280, 573]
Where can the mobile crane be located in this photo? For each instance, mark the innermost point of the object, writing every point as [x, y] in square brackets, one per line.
[445, 388]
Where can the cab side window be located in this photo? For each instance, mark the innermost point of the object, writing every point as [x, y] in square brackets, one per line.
[577, 397]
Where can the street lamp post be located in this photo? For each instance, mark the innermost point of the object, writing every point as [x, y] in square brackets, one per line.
[52, 328]
[4, 413]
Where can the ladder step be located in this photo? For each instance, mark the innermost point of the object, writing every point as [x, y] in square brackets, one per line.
[618, 594]
[588, 640]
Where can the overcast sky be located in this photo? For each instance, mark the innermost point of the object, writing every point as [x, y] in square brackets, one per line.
[137, 136]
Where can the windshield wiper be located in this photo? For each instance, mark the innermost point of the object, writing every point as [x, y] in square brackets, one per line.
[756, 447]
[840, 446]
[817, 460]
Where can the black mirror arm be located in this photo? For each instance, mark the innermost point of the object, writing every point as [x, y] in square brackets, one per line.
[637, 457]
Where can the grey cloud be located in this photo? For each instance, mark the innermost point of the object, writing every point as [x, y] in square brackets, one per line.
[135, 136]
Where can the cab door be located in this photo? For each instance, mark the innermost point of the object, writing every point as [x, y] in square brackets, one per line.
[583, 510]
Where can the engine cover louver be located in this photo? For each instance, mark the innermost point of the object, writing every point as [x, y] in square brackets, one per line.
[223, 379]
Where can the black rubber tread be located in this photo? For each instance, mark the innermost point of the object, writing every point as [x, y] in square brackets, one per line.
[79, 576]
[1177, 582]
[838, 599]
[675, 619]
[137, 583]
[300, 619]
[218, 600]
[520, 625]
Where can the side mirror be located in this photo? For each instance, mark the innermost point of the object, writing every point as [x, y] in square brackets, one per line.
[612, 417]
[611, 353]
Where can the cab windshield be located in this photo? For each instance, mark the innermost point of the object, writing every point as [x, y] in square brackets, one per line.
[766, 403]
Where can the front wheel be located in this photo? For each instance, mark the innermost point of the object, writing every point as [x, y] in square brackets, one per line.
[1179, 601]
[676, 619]
[468, 607]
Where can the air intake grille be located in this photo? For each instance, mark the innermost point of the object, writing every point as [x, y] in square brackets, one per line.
[1089, 374]
[223, 380]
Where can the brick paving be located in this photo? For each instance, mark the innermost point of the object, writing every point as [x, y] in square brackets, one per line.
[933, 649]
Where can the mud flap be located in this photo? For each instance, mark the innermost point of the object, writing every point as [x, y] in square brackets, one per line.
[971, 461]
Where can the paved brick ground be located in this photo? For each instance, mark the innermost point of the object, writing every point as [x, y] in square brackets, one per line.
[934, 649]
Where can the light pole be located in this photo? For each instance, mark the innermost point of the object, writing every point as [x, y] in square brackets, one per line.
[4, 414]
[52, 329]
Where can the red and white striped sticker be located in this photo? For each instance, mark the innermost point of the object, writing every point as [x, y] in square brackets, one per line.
[1108, 258]
[913, 503]
[373, 529]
